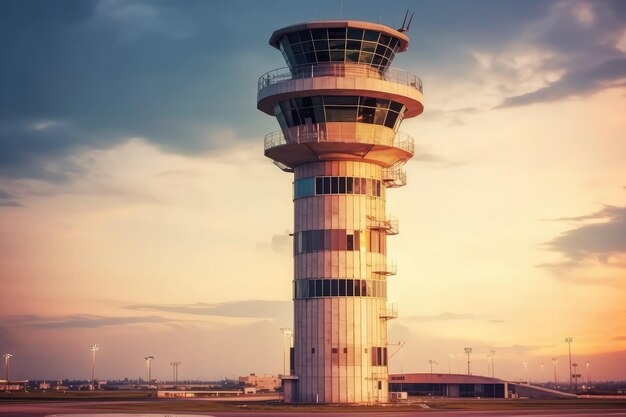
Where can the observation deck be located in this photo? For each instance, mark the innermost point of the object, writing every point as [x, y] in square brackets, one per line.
[340, 80]
[338, 141]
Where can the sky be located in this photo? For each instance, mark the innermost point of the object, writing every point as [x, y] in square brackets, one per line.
[137, 210]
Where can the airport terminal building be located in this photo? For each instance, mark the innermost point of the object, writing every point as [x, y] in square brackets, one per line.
[449, 385]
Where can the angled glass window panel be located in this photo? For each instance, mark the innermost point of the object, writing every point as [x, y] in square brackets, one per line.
[295, 118]
[352, 56]
[355, 33]
[319, 33]
[336, 33]
[384, 63]
[326, 288]
[377, 60]
[341, 100]
[321, 45]
[306, 115]
[322, 56]
[293, 37]
[334, 289]
[311, 288]
[341, 114]
[342, 287]
[310, 58]
[357, 287]
[319, 185]
[326, 185]
[368, 101]
[388, 53]
[336, 44]
[318, 114]
[393, 44]
[395, 106]
[297, 48]
[371, 35]
[368, 47]
[305, 35]
[337, 56]
[349, 185]
[391, 119]
[379, 116]
[342, 185]
[300, 60]
[334, 183]
[384, 39]
[365, 57]
[307, 47]
[381, 49]
[353, 45]
[382, 104]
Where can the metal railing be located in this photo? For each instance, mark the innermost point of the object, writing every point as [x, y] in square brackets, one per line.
[394, 75]
[390, 268]
[314, 134]
[388, 313]
[391, 225]
[394, 176]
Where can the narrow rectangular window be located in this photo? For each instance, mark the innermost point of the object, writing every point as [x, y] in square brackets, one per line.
[357, 287]
[357, 240]
[334, 288]
[312, 350]
[334, 350]
[377, 188]
[342, 185]
[364, 292]
[342, 287]
[349, 242]
[326, 185]
[364, 186]
[327, 239]
[357, 186]
[334, 185]
[345, 350]
[326, 288]
[318, 288]
[349, 185]
[311, 288]
[350, 288]
[319, 185]
[384, 356]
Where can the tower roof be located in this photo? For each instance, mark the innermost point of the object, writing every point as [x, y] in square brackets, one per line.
[357, 24]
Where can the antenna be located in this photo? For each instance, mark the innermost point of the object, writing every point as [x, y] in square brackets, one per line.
[406, 24]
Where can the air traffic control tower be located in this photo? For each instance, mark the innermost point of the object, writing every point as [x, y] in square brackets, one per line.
[339, 106]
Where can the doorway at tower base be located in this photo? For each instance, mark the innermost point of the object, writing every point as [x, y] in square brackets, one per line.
[290, 388]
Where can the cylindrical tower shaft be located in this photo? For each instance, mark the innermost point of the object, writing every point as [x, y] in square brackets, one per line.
[339, 106]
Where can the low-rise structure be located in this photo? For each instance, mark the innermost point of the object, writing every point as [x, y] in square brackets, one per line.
[260, 382]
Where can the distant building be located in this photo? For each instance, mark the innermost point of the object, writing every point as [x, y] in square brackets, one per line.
[260, 382]
[448, 385]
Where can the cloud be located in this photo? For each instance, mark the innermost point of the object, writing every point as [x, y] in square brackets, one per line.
[248, 308]
[82, 321]
[447, 316]
[93, 74]
[8, 200]
[610, 73]
[594, 253]
[596, 240]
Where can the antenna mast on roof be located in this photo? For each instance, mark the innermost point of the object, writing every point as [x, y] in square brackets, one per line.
[406, 24]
